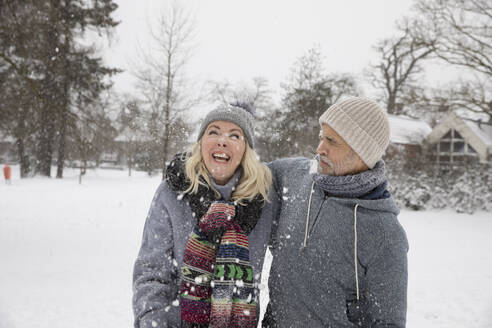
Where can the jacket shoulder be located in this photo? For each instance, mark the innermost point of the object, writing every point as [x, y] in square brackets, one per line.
[290, 164]
[288, 170]
[165, 194]
[392, 233]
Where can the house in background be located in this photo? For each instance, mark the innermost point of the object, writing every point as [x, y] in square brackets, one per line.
[458, 140]
[128, 147]
[407, 136]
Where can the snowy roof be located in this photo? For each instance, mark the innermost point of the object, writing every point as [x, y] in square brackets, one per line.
[482, 130]
[405, 130]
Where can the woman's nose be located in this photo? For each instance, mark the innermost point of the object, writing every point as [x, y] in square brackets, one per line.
[221, 141]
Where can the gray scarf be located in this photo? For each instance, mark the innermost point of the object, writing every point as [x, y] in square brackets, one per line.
[352, 186]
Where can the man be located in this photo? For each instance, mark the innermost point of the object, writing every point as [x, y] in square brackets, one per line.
[340, 255]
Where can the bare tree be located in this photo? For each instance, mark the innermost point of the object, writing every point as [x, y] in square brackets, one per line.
[465, 97]
[91, 133]
[161, 77]
[399, 66]
[131, 127]
[474, 96]
[258, 95]
[462, 30]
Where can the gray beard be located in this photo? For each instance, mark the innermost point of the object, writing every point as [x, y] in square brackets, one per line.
[346, 164]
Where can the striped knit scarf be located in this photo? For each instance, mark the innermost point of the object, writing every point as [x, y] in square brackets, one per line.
[217, 288]
[217, 285]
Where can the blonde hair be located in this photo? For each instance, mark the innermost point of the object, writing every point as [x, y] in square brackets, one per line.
[256, 177]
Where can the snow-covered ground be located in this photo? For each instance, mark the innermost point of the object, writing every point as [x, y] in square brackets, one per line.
[67, 250]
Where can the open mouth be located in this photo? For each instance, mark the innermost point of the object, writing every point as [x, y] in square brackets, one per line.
[221, 157]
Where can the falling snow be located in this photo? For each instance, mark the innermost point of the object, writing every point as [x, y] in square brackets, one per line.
[74, 265]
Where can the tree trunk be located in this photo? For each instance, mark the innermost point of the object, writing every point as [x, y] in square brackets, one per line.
[167, 109]
[391, 106]
[61, 147]
[165, 142]
[51, 92]
[83, 170]
[63, 126]
[20, 134]
[65, 101]
[23, 158]
[130, 160]
[45, 145]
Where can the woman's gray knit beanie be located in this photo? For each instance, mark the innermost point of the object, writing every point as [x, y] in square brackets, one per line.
[241, 114]
[362, 124]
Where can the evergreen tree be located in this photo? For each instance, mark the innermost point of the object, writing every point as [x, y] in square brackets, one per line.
[308, 93]
[46, 52]
[20, 73]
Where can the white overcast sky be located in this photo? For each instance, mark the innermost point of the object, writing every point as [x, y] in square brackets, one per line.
[238, 40]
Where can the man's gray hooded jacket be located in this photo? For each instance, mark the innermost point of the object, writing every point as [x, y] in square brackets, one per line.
[313, 279]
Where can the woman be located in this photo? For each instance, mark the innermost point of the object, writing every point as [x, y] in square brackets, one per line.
[206, 233]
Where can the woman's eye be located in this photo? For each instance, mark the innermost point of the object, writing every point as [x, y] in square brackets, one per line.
[212, 132]
[234, 137]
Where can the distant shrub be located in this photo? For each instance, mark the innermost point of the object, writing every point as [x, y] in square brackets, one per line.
[465, 189]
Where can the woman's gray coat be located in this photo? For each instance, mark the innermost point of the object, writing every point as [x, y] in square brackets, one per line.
[156, 276]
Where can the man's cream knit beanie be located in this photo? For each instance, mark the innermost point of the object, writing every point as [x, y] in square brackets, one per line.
[362, 124]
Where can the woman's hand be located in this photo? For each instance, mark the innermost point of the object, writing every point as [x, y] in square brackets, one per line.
[219, 217]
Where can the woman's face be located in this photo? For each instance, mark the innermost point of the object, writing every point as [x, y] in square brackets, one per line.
[222, 146]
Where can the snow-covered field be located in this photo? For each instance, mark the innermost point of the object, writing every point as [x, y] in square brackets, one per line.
[67, 250]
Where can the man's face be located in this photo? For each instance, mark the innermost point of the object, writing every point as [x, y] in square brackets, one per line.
[336, 156]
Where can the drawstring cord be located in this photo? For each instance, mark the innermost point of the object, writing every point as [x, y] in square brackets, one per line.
[307, 216]
[355, 238]
[355, 251]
